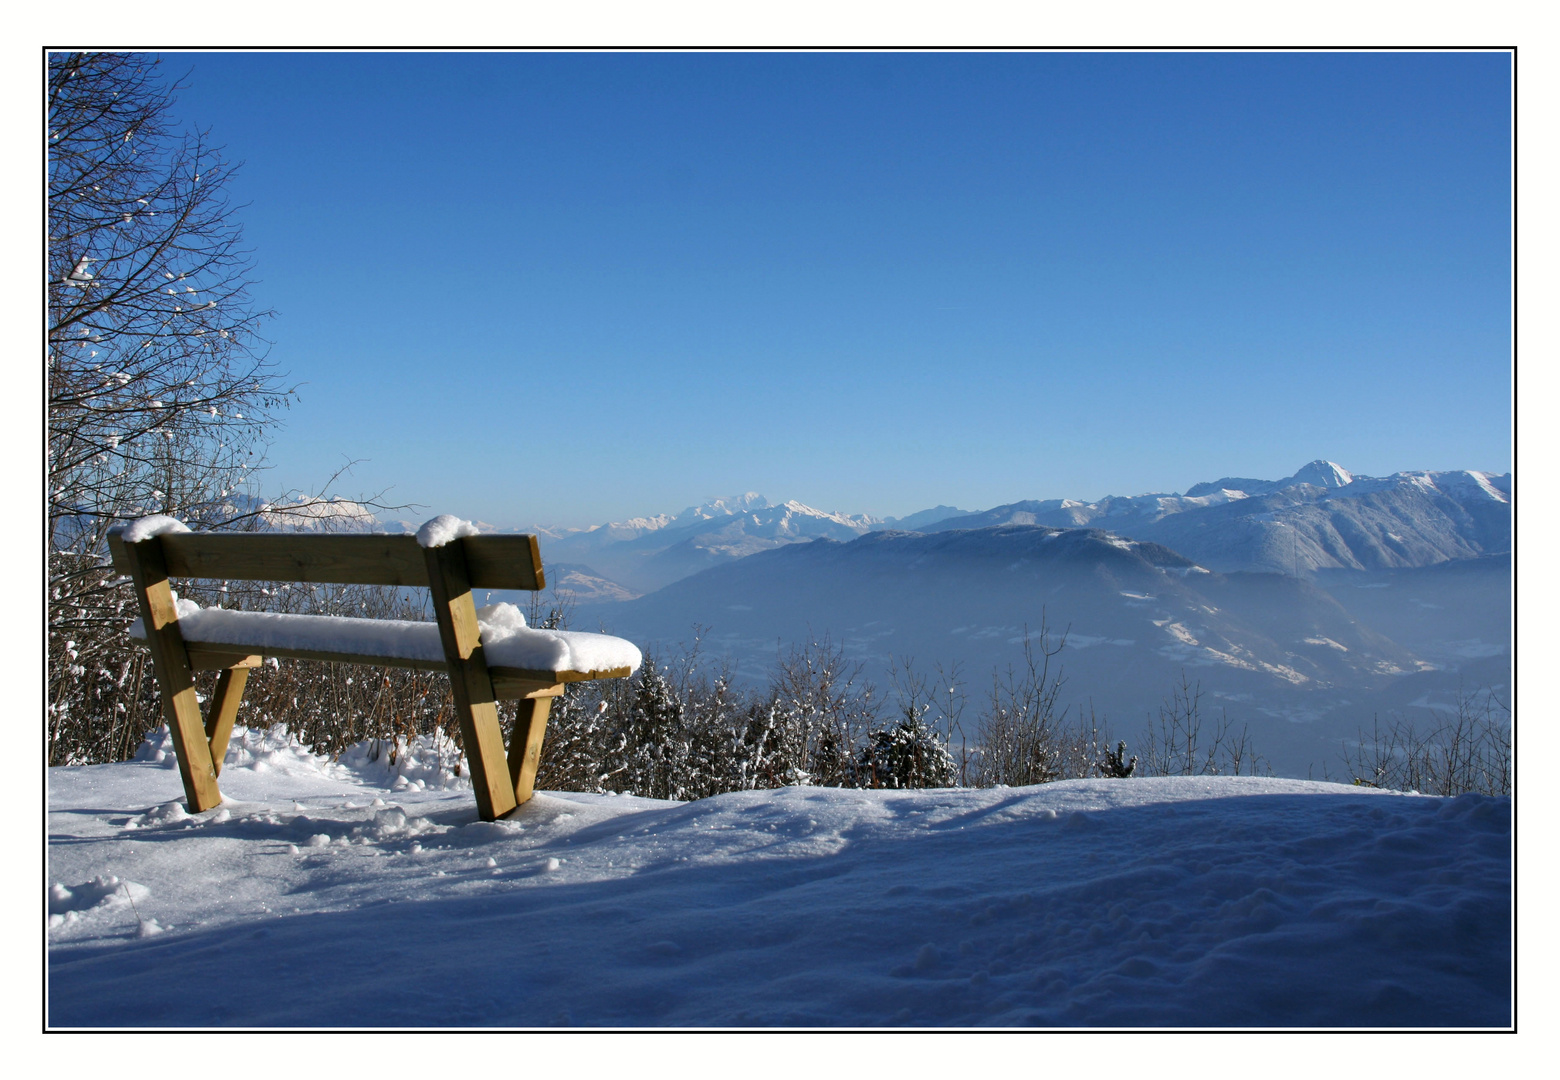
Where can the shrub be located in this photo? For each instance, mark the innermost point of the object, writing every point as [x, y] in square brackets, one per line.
[1468, 752]
[1178, 745]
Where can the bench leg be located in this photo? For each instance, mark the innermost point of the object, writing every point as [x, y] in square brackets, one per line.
[476, 708]
[175, 680]
[222, 712]
[525, 744]
[484, 739]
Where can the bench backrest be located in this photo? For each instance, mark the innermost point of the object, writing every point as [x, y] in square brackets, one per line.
[495, 561]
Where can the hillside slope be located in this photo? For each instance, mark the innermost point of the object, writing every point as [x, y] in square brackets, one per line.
[1136, 616]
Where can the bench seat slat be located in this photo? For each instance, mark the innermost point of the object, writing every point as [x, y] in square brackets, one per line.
[508, 682]
[206, 656]
[523, 656]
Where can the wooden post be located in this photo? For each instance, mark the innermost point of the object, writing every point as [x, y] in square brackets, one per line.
[223, 711]
[525, 740]
[175, 680]
[476, 708]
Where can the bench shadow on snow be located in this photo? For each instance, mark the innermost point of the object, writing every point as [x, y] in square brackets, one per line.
[1271, 910]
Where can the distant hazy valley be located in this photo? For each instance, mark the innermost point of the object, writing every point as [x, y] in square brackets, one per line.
[1303, 605]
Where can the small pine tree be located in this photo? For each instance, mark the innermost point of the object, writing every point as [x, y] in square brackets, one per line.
[652, 737]
[908, 755]
[1112, 765]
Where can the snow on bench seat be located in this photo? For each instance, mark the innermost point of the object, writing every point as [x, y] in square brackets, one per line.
[506, 640]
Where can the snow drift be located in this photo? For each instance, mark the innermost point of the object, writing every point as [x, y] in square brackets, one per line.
[364, 893]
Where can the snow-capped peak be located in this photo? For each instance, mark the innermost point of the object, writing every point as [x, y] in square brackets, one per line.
[724, 507]
[1466, 482]
[332, 514]
[858, 522]
[1321, 473]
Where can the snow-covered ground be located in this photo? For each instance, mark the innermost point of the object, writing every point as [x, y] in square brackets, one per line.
[352, 894]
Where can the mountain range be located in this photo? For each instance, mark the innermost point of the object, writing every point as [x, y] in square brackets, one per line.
[1321, 518]
[1304, 606]
[646, 553]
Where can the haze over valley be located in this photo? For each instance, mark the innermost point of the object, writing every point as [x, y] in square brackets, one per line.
[1303, 606]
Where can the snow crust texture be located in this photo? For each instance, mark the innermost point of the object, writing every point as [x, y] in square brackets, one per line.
[346, 894]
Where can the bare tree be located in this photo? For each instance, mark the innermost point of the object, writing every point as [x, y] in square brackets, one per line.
[1468, 751]
[1177, 745]
[159, 391]
[1021, 730]
[819, 707]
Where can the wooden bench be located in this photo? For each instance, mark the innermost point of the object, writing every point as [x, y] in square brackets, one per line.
[233, 642]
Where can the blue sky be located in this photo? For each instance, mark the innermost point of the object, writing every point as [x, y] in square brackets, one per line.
[567, 288]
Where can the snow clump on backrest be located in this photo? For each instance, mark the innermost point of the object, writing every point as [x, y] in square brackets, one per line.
[442, 529]
[147, 527]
